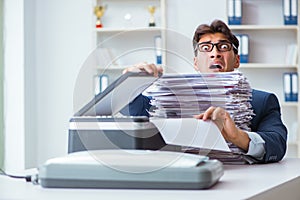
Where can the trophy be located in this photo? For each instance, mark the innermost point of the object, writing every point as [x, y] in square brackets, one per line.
[99, 12]
[151, 9]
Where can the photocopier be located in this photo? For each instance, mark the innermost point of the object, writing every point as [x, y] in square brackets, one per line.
[110, 151]
[98, 125]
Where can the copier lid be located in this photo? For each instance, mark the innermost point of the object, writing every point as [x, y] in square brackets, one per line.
[118, 94]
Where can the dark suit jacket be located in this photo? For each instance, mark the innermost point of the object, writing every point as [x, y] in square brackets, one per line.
[266, 122]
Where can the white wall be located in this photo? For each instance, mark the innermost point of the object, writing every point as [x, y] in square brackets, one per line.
[63, 41]
[14, 132]
[42, 61]
[30, 84]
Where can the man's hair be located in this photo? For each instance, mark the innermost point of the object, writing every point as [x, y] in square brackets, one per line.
[217, 26]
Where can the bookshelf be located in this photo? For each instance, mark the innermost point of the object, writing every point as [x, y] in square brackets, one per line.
[126, 37]
[269, 57]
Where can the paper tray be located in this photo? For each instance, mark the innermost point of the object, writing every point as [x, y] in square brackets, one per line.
[96, 133]
[130, 169]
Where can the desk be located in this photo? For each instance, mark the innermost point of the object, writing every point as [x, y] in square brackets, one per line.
[266, 181]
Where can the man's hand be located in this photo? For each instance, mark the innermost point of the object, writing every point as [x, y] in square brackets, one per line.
[227, 126]
[149, 68]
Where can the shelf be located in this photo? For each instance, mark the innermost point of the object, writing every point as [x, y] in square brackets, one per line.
[111, 30]
[112, 67]
[293, 143]
[289, 104]
[266, 65]
[264, 27]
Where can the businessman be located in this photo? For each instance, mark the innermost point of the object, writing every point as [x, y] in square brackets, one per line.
[216, 50]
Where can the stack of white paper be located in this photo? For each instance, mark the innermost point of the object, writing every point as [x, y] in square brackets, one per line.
[182, 96]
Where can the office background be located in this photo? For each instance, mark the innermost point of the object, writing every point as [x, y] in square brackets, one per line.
[46, 43]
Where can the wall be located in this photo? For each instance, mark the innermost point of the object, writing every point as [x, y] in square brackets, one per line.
[30, 84]
[14, 84]
[43, 55]
[63, 31]
[1, 87]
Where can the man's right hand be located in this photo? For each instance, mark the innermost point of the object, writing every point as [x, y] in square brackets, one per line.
[145, 67]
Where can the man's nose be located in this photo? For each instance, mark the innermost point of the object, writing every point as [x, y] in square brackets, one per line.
[215, 53]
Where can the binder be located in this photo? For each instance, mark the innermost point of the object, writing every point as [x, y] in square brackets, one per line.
[100, 83]
[290, 85]
[290, 12]
[96, 85]
[244, 47]
[103, 82]
[158, 53]
[287, 88]
[238, 11]
[230, 7]
[294, 79]
[238, 36]
[234, 12]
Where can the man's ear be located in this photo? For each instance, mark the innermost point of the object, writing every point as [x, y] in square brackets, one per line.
[196, 64]
[237, 61]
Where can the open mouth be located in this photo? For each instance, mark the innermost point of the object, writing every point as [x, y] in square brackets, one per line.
[215, 66]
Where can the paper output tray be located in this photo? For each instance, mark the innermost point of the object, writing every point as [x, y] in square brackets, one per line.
[143, 169]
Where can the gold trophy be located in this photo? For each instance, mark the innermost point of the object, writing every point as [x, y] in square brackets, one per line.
[99, 12]
[151, 9]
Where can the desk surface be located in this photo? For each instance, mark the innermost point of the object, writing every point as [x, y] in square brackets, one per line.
[265, 181]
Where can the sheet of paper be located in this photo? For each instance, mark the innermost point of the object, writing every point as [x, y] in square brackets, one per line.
[191, 132]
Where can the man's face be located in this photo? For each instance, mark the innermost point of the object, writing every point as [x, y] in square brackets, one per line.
[227, 60]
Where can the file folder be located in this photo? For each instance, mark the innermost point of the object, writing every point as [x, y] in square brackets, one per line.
[290, 12]
[287, 86]
[290, 85]
[244, 47]
[234, 12]
[294, 86]
[101, 83]
[158, 50]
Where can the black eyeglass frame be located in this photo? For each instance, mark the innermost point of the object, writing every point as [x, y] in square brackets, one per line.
[216, 44]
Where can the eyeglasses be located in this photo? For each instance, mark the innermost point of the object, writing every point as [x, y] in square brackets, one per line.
[222, 46]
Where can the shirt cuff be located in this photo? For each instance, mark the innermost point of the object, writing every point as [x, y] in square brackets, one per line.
[256, 146]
